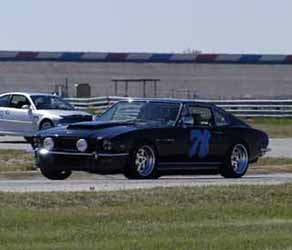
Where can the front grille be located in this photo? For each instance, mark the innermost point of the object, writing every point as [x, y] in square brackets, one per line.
[66, 144]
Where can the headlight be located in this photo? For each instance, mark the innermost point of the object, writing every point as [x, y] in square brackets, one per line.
[107, 145]
[82, 145]
[48, 143]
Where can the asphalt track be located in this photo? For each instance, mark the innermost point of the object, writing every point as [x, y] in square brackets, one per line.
[34, 182]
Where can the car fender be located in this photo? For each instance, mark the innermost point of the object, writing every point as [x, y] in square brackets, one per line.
[46, 117]
[132, 139]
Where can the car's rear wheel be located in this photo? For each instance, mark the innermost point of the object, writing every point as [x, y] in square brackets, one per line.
[46, 124]
[236, 163]
[142, 163]
[54, 174]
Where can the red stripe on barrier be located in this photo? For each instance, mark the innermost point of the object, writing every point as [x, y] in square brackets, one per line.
[27, 55]
[206, 57]
[288, 58]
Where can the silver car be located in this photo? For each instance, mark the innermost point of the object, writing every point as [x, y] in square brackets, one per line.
[23, 114]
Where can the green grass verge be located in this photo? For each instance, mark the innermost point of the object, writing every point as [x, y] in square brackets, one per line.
[235, 217]
[266, 161]
[15, 160]
[268, 165]
[275, 127]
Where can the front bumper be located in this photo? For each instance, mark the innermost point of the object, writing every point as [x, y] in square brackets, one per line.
[95, 162]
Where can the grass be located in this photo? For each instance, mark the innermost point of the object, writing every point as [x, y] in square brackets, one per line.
[15, 160]
[235, 217]
[275, 127]
[269, 165]
[274, 161]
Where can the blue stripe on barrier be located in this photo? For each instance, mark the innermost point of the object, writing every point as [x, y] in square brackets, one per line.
[155, 58]
[249, 58]
[160, 57]
[71, 56]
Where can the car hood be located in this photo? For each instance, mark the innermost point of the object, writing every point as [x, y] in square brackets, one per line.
[88, 129]
[63, 113]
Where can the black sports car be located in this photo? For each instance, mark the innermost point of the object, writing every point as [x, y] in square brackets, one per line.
[151, 137]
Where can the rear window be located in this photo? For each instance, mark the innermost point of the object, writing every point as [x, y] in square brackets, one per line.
[221, 119]
[18, 101]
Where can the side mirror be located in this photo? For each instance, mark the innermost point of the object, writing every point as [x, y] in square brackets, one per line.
[26, 106]
[187, 121]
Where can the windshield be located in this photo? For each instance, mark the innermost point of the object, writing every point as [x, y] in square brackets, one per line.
[50, 102]
[160, 113]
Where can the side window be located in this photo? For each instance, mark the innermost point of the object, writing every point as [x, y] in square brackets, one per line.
[4, 100]
[202, 116]
[17, 101]
[220, 118]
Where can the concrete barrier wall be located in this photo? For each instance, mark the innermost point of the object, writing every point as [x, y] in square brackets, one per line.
[212, 81]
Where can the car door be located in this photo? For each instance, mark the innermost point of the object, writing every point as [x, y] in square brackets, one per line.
[4, 103]
[199, 137]
[20, 116]
[200, 140]
[186, 146]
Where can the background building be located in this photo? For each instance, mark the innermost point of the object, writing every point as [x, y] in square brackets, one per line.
[214, 76]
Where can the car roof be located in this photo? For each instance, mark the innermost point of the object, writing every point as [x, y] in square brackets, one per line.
[27, 93]
[170, 100]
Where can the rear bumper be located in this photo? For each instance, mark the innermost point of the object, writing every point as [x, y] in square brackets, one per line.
[263, 151]
[260, 153]
[90, 162]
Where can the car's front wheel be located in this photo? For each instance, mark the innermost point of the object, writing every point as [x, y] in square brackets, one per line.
[46, 124]
[54, 174]
[142, 163]
[237, 162]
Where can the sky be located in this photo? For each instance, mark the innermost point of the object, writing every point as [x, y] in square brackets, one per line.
[210, 26]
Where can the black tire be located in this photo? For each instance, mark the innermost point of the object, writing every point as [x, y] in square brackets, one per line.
[54, 174]
[149, 171]
[236, 166]
[46, 124]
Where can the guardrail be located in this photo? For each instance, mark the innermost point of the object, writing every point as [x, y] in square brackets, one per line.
[243, 108]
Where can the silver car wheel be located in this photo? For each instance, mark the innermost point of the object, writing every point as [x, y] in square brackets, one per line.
[239, 159]
[46, 125]
[145, 160]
